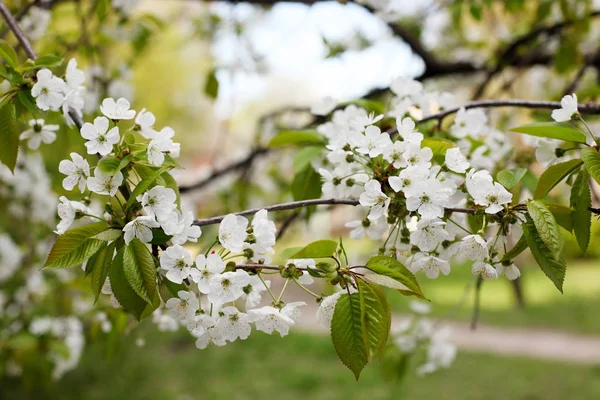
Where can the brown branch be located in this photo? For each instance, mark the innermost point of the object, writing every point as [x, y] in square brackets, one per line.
[590, 108]
[19, 16]
[14, 27]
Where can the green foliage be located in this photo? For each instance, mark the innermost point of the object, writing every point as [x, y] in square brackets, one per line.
[438, 146]
[509, 179]
[302, 137]
[553, 130]
[211, 87]
[318, 249]
[99, 265]
[347, 333]
[581, 200]
[554, 268]
[305, 156]
[306, 184]
[127, 297]
[140, 270]
[8, 54]
[377, 318]
[591, 160]
[554, 175]
[546, 227]
[48, 61]
[517, 249]
[77, 245]
[562, 215]
[9, 135]
[398, 276]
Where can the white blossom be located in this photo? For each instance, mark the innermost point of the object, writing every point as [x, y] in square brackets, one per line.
[485, 270]
[67, 211]
[140, 228]
[117, 110]
[99, 138]
[206, 268]
[568, 108]
[38, 133]
[228, 286]
[177, 262]
[324, 106]
[158, 202]
[373, 197]
[232, 232]
[269, 319]
[145, 124]
[184, 306]
[48, 91]
[77, 172]
[233, 324]
[456, 161]
[105, 184]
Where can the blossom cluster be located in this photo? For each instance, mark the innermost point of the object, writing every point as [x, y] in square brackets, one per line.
[418, 191]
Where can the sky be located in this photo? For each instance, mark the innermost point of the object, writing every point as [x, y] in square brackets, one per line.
[290, 37]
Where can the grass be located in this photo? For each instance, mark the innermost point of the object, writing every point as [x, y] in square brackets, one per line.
[546, 307]
[300, 366]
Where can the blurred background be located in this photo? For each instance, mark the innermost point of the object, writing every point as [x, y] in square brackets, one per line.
[227, 77]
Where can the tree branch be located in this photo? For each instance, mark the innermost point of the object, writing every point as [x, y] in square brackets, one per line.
[14, 27]
[590, 108]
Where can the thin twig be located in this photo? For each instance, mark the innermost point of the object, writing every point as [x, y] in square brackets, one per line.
[19, 16]
[286, 224]
[14, 27]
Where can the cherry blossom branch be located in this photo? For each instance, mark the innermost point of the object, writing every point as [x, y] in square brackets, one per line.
[14, 27]
[299, 204]
[278, 207]
[20, 15]
[28, 48]
[589, 108]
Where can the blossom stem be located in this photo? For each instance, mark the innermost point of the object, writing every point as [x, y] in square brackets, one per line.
[594, 138]
[267, 287]
[93, 216]
[285, 285]
[460, 226]
[211, 246]
[307, 290]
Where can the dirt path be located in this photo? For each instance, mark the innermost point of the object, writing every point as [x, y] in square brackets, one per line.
[535, 343]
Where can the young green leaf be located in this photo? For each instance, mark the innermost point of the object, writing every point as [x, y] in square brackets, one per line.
[143, 186]
[100, 264]
[553, 130]
[8, 54]
[509, 179]
[591, 160]
[48, 61]
[517, 249]
[306, 184]
[347, 333]
[553, 175]
[124, 293]
[9, 136]
[546, 227]
[438, 146]
[581, 200]
[77, 245]
[140, 270]
[555, 269]
[377, 317]
[562, 215]
[304, 137]
[305, 156]
[392, 268]
[318, 249]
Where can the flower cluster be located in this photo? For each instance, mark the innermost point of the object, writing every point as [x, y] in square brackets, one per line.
[418, 190]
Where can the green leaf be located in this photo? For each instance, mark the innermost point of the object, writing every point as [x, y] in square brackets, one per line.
[108, 235]
[554, 269]
[509, 179]
[109, 165]
[8, 54]
[75, 246]
[306, 184]
[303, 137]
[9, 136]
[553, 130]
[140, 270]
[318, 249]
[99, 264]
[127, 297]
[518, 248]
[377, 316]
[591, 160]
[546, 227]
[49, 61]
[373, 106]
[553, 175]
[159, 237]
[27, 101]
[562, 215]
[581, 200]
[143, 186]
[347, 333]
[438, 146]
[305, 156]
[211, 86]
[391, 268]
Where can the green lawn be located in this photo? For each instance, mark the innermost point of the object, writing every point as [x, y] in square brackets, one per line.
[573, 311]
[301, 367]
